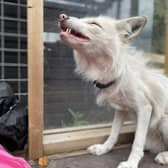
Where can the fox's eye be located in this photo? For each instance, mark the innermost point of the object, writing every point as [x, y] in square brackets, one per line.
[94, 23]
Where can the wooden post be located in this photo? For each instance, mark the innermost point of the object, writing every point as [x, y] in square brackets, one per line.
[35, 78]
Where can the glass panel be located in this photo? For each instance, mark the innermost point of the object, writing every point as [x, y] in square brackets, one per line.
[70, 101]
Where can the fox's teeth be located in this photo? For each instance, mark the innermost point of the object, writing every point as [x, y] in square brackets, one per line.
[68, 30]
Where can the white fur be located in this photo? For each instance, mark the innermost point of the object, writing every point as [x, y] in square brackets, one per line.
[138, 89]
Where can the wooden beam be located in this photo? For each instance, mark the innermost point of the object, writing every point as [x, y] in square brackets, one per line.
[154, 57]
[81, 152]
[79, 139]
[35, 77]
[82, 128]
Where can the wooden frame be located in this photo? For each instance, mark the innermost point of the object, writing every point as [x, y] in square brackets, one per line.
[69, 140]
[35, 77]
[51, 141]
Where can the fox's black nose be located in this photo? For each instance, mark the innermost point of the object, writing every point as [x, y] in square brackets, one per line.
[63, 17]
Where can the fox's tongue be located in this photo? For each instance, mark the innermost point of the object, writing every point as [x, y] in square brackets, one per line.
[71, 32]
[77, 34]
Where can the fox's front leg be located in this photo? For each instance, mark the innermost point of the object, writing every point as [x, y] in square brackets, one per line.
[100, 149]
[143, 120]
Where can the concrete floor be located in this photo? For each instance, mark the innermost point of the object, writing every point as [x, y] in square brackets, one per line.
[110, 160]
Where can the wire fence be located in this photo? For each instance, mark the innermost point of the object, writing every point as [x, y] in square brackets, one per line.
[13, 46]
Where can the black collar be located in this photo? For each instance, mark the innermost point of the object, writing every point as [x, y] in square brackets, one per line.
[103, 86]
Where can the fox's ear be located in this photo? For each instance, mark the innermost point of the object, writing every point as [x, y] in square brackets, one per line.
[131, 27]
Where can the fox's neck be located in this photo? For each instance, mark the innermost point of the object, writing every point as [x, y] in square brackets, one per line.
[102, 69]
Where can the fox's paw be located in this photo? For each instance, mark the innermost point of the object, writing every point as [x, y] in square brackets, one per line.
[98, 149]
[162, 158]
[127, 164]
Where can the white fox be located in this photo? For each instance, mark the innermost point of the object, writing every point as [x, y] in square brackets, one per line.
[125, 82]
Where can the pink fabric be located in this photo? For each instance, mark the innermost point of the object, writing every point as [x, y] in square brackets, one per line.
[9, 161]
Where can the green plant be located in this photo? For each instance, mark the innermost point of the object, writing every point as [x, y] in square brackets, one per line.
[78, 118]
[159, 26]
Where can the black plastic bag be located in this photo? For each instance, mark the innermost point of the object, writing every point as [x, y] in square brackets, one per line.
[13, 128]
[13, 120]
[7, 97]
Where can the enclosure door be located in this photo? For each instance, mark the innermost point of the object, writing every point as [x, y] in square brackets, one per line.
[69, 101]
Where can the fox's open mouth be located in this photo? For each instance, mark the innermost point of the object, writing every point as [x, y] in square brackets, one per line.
[72, 33]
